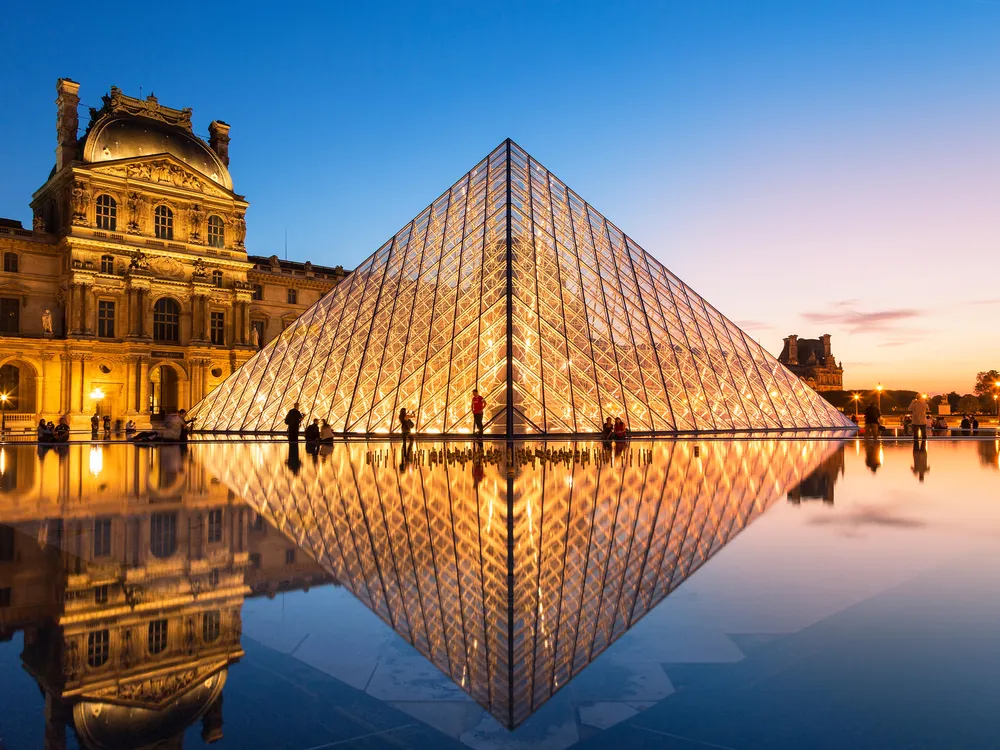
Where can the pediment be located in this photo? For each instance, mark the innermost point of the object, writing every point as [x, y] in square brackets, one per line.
[162, 169]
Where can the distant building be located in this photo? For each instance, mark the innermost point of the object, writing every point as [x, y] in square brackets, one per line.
[812, 360]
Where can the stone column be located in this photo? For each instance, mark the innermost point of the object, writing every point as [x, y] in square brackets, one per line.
[147, 314]
[142, 370]
[129, 385]
[244, 323]
[206, 319]
[74, 309]
[65, 363]
[86, 327]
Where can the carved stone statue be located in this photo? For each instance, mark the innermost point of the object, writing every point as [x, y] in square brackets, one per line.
[79, 200]
[38, 223]
[47, 322]
[200, 269]
[134, 203]
[239, 224]
[195, 218]
[138, 262]
[254, 337]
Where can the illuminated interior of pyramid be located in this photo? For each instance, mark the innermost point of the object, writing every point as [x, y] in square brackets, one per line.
[512, 284]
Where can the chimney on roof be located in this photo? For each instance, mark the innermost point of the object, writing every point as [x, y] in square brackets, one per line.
[67, 121]
[218, 139]
[827, 354]
[793, 349]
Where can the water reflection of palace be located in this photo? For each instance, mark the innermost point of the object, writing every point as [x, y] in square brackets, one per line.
[126, 569]
[820, 483]
[512, 576]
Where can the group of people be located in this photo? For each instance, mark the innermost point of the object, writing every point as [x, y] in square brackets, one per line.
[614, 429]
[50, 433]
[916, 421]
[176, 428]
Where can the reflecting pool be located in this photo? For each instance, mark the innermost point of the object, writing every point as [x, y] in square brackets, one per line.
[779, 593]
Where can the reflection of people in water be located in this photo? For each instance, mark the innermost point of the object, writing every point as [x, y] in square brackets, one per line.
[920, 467]
[873, 455]
[293, 461]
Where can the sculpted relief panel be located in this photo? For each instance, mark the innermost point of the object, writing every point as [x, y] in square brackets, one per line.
[164, 172]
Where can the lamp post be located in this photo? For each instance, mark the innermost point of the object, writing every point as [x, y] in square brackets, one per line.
[878, 397]
[97, 394]
[3, 413]
[857, 399]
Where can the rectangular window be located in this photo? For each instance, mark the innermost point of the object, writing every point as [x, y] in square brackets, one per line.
[210, 626]
[10, 262]
[108, 264]
[293, 296]
[4, 597]
[10, 315]
[214, 526]
[289, 557]
[102, 537]
[157, 641]
[258, 292]
[255, 560]
[97, 648]
[105, 319]
[218, 328]
[101, 594]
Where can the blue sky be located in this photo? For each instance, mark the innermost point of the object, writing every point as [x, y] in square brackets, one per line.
[809, 167]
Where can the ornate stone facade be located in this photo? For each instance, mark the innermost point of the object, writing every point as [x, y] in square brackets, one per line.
[137, 250]
[812, 360]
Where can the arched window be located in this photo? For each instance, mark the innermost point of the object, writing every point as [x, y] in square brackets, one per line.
[258, 291]
[167, 320]
[216, 232]
[107, 264]
[163, 223]
[217, 278]
[107, 212]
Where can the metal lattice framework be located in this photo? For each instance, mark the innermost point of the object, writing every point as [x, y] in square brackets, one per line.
[512, 582]
[511, 283]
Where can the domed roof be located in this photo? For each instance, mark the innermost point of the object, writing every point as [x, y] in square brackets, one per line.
[124, 136]
[107, 726]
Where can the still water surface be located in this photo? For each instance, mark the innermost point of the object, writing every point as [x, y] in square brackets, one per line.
[675, 594]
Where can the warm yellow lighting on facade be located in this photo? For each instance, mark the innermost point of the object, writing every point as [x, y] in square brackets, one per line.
[97, 394]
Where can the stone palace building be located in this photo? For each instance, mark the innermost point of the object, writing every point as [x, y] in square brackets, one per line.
[132, 293]
[812, 360]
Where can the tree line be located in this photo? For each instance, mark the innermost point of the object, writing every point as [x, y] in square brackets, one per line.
[979, 401]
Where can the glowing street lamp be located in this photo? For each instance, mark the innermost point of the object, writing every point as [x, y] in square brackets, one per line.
[857, 399]
[878, 396]
[4, 398]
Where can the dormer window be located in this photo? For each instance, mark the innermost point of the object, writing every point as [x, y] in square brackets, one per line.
[107, 213]
[216, 232]
[163, 223]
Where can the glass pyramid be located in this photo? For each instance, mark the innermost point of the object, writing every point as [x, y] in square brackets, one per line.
[512, 570]
[511, 283]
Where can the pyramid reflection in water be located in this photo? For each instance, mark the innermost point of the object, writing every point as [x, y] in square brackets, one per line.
[511, 283]
[512, 582]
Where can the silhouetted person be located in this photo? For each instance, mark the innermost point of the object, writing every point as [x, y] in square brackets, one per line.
[185, 425]
[312, 432]
[107, 426]
[872, 419]
[44, 432]
[95, 423]
[293, 419]
[406, 424]
[61, 432]
[326, 433]
[621, 431]
[918, 415]
[609, 428]
[966, 424]
[975, 425]
[478, 407]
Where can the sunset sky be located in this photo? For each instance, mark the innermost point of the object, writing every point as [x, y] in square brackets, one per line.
[808, 167]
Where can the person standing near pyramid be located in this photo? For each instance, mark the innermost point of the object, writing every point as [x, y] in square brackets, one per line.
[478, 406]
[293, 419]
